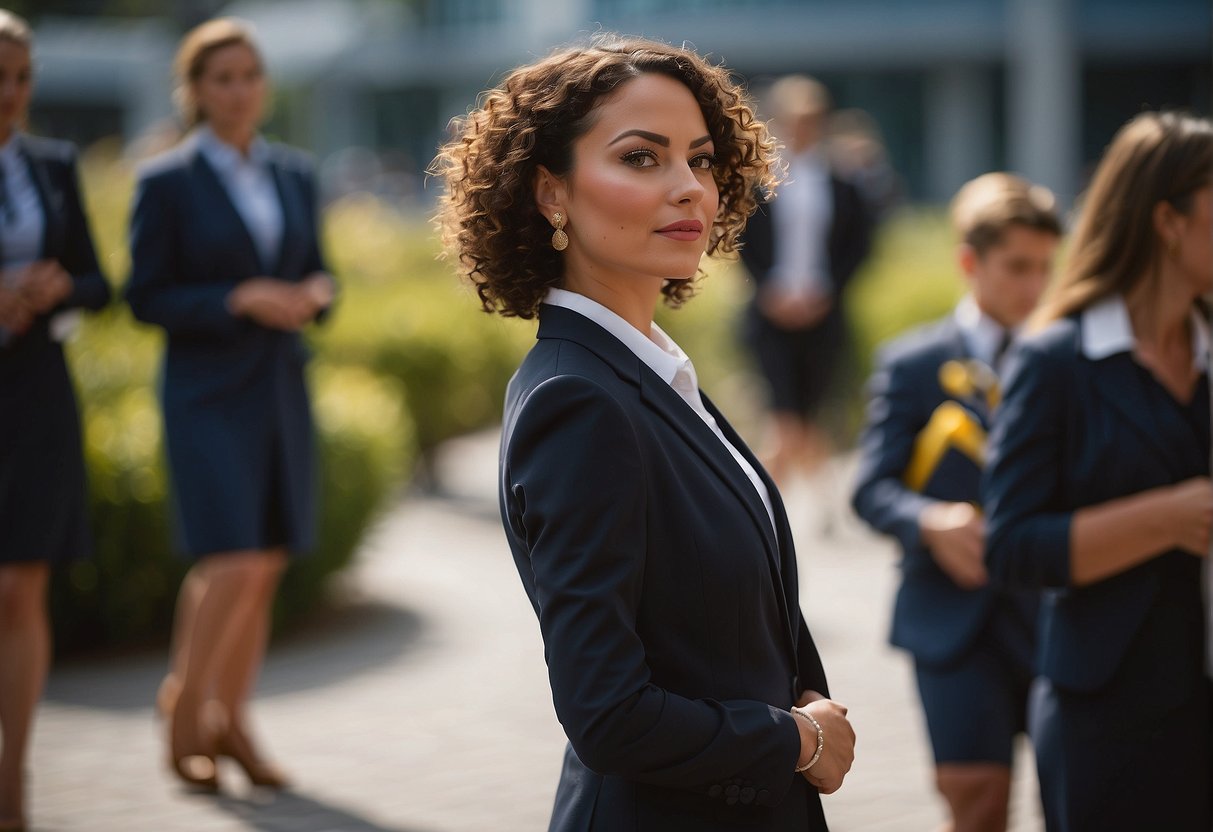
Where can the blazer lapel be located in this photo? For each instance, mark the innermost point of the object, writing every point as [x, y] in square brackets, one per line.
[293, 223]
[557, 322]
[218, 196]
[1119, 381]
[53, 230]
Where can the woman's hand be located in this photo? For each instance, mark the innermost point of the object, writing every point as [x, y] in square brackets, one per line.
[838, 746]
[1189, 507]
[273, 303]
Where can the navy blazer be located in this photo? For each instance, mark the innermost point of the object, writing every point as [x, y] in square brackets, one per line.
[933, 618]
[1074, 431]
[668, 604]
[42, 487]
[848, 243]
[237, 416]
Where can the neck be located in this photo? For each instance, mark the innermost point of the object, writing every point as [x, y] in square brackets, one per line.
[1159, 310]
[240, 138]
[632, 298]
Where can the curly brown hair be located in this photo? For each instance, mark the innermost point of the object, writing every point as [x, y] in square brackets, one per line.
[488, 217]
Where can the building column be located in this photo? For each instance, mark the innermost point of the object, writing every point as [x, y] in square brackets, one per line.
[1043, 94]
[959, 128]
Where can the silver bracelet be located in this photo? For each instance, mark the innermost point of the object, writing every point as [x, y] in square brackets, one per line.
[821, 739]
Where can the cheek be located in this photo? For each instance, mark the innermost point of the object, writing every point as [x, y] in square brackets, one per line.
[615, 200]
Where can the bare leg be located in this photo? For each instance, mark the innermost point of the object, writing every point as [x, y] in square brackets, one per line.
[241, 666]
[25, 648]
[222, 609]
[189, 597]
[977, 794]
[786, 449]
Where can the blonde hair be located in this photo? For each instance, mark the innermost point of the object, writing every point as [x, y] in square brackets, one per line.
[196, 48]
[985, 207]
[487, 215]
[793, 96]
[1154, 158]
[14, 29]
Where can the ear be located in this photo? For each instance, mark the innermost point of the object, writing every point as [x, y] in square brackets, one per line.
[551, 192]
[968, 259]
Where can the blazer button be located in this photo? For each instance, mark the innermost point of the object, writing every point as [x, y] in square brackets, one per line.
[716, 791]
[763, 795]
[747, 795]
[731, 794]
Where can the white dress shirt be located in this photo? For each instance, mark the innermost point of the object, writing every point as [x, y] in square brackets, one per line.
[23, 222]
[665, 358]
[1108, 330]
[982, 334]
[802, 216]
[249, 183]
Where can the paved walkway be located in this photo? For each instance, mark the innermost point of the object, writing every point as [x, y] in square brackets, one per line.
[421, 703]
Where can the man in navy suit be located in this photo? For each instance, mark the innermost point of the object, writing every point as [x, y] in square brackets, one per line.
[932, 397]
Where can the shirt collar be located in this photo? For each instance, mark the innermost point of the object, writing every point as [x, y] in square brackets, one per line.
[225, 158]
[658, 351]
[982, 334]
[1107, 331]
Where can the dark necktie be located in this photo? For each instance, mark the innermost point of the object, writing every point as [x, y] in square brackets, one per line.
[1003, 345]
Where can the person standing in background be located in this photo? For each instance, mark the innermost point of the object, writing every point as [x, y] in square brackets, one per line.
[932, 399]
[801, 250]
[225, 258]
[47, 265]
[1097, 491]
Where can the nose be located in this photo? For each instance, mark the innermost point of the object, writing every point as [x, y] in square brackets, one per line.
[688, 187]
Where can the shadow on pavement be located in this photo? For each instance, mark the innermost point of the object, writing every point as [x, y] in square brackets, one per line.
[332, 646]
[294, 812]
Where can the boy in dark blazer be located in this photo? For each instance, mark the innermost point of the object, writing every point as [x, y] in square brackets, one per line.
[932, 398]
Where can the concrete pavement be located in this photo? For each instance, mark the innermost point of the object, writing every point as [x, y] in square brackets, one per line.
[420, 704]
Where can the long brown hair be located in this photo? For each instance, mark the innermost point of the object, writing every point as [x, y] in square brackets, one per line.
[1156, 157]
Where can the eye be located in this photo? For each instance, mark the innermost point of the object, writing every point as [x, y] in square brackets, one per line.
[641, 158]
[704, 161]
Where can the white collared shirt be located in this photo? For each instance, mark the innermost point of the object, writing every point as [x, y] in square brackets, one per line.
[802, 218]
[23, 224]
[982, 334]
[250, 184]
[665, 358]
[1106, 331]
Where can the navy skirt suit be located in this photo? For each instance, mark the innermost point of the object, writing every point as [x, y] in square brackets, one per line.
[1121, 714]
[237, 418]
[43, 497]
[668, 603]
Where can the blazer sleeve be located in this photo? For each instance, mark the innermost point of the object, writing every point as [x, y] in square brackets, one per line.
[851, 240]
[1027, 538]
[886, 445]
[575, 493]
[156, 291]
[89, 286]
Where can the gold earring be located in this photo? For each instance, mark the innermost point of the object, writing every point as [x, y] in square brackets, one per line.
[560, 240]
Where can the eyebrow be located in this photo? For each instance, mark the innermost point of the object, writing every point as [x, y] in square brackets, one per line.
[656, 138]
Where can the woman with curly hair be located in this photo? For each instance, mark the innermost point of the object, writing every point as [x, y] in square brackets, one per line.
[653, 547]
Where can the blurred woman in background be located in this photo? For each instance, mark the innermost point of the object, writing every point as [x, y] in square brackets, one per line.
[225, 257]
[1098, 491]
[48, 266]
